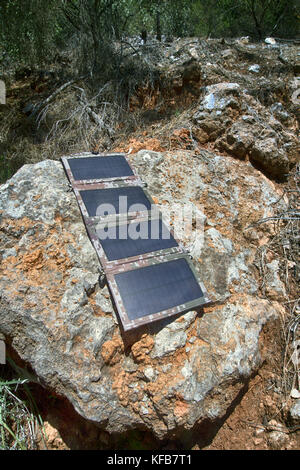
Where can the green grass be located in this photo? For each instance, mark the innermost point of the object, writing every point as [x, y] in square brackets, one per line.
[20, 421]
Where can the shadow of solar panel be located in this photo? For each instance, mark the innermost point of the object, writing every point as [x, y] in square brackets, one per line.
[93, 168]
[135, 238]
[112, 199]
[157, 288]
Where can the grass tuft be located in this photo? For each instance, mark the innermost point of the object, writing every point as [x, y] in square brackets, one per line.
[20, 422]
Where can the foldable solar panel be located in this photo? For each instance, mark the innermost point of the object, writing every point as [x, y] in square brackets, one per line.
[152, 289]
[148, 272]
[87, 168]
[130, 240]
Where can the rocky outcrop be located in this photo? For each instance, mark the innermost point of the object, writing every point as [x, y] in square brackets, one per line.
[242, 97]
[290, 59]
[242, 127]
[173, 374]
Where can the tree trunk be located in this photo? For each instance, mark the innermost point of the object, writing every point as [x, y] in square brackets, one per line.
[158, 26]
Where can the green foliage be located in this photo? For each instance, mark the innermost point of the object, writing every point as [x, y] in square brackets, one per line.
[260, 18]
[30, 30]
[173, 16]
[5, 169]
[257, 18]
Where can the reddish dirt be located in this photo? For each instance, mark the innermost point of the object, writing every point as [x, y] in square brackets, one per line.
[260, 421]
[134, 145]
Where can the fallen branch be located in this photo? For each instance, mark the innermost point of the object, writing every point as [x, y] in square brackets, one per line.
[84, 102]
[270, 428]
[38, 108]
[282, 216]
[130, 45]
[94, 116]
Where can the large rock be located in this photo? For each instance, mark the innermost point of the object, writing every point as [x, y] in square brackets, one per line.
[232, 195]
[295, 411]
[216, 111]
[239, 125]
[175, 373]
[290, 57]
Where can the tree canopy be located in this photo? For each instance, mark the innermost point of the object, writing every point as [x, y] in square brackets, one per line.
[32, 29]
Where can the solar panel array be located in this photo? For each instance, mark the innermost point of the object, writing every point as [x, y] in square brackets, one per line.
[149, 273]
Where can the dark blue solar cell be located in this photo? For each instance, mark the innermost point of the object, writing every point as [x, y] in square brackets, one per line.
[94, 198]
[153, 289]
[90, 168]
[135, 238]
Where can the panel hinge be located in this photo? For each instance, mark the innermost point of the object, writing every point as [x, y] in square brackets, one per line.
[102, 278]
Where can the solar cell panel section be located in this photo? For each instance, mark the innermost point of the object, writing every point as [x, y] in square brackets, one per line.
[123, 241]
[113, 200]
[87, 168]
[155, 288]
